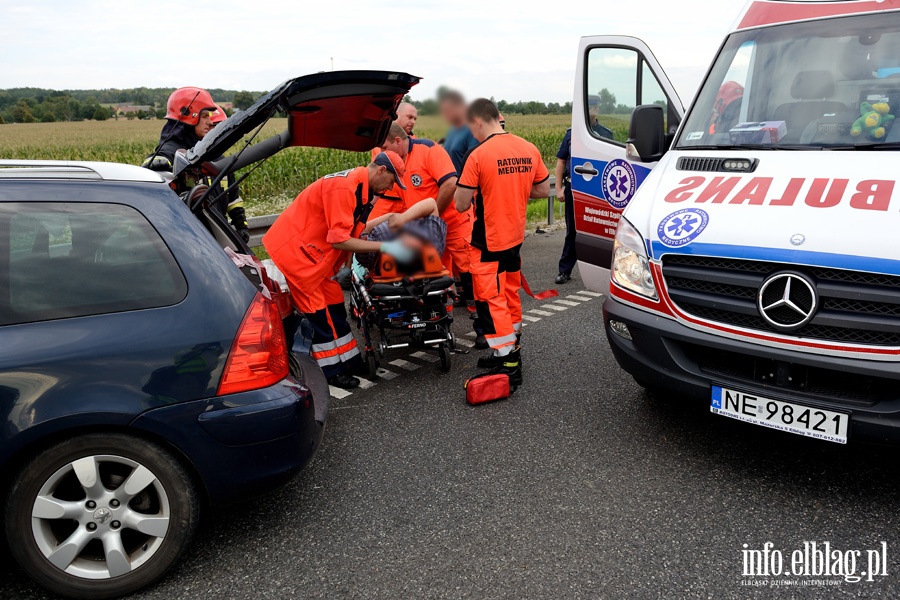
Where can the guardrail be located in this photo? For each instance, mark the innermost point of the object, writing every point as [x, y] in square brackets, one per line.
[260, 225]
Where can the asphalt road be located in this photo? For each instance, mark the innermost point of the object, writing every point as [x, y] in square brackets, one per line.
[580, 485]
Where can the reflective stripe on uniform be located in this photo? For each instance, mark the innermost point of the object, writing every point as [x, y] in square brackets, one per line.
[497, 342]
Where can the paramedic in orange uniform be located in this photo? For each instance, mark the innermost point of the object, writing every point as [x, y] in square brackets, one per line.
[499, 177]
[430, 174]
[311, 240]
[407, 115]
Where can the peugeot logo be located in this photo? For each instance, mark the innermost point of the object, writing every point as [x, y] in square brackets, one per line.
[787, 300]
[102, 515]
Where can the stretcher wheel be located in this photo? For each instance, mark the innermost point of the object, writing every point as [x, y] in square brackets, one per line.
[371, 363]
[444, 353]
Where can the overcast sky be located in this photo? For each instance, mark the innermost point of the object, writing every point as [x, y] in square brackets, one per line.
[515, 50]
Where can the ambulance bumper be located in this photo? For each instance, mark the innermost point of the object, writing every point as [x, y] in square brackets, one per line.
[663, 354]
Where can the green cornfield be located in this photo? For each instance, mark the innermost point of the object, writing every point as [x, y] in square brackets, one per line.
[276, 182]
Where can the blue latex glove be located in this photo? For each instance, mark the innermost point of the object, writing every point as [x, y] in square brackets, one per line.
[398, 250]
[341, 275]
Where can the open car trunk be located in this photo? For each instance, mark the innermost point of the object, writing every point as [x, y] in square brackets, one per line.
[344, 110]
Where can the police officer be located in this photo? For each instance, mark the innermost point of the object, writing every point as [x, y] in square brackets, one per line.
[564, 184]
[190, 114]
[310, 241]
[499, 177]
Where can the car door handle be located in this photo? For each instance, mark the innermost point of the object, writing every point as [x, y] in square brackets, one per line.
[586, 169]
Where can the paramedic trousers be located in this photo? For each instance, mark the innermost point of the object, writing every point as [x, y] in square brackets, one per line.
[457, 259]
[333, 345]
[496, 280]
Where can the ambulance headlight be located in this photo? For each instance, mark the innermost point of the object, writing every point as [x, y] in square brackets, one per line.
[631, 268]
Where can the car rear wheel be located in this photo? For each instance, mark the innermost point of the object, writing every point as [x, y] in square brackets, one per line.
[100, 515]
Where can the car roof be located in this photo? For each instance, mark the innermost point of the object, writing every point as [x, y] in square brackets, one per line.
[63, 169]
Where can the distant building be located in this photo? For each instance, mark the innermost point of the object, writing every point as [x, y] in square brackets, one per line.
[126, 109]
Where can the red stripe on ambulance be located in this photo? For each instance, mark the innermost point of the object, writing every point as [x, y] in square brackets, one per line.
[770, 13]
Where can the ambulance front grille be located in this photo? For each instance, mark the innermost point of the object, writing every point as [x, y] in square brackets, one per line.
[854, 307]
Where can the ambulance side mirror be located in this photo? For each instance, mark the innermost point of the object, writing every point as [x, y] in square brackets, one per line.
[647, 134]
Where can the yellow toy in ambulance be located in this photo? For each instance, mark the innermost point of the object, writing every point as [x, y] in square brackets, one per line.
[749, 244]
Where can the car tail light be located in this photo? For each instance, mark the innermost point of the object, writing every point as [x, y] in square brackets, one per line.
[259, 354]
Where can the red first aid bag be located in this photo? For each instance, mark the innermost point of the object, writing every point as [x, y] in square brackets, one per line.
[487, 388]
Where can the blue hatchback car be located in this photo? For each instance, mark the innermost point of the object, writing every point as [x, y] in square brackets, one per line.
[144, 371]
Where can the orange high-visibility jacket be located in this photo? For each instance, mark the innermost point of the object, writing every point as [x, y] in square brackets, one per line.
[329, 211]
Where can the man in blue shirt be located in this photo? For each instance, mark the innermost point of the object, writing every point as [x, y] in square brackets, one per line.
[563, 184]
[459, 140]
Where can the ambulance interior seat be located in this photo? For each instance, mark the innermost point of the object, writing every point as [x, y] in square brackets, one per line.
[812, 91]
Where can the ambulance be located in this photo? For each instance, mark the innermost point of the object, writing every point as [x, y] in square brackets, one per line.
[750, 245]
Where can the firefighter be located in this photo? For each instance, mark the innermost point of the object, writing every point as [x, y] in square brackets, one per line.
[499, 177]
[190, 114]
[311, 240]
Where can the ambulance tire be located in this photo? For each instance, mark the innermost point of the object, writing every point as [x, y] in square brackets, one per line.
[656, 392]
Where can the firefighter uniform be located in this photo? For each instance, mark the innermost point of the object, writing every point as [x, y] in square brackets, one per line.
[502, 170]
[330, 211]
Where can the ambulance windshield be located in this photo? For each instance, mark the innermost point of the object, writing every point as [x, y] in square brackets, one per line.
[827, 84]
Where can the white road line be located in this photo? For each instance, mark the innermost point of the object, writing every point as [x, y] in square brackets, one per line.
[579, 298]
[471, 334]
[405, 364]
[365, 384]
[530, 318]
[540, 313]
[385, 374]
[587, 293]
[567, 302]
[556, 308]
[338, 393]
[421, 355]
[465, 342]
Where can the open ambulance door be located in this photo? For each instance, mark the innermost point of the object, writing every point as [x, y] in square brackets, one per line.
[615, 75]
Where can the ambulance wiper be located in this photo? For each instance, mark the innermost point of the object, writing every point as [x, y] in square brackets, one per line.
[888, 146]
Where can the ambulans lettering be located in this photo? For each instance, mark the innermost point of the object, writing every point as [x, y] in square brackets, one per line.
[506, 166]
[819, 192]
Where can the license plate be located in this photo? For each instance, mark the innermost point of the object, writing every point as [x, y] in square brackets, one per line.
[786, 416]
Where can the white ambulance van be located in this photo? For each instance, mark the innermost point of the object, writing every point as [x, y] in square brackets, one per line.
[751, 244]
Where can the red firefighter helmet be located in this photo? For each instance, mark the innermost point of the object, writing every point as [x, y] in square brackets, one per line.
[185, 104]
[218, 116]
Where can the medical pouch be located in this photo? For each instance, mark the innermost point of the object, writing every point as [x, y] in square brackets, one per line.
[487, 388]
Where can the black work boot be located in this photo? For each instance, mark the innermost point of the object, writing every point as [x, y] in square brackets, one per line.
[343, 381]
[490, 361]
[511, 365]
[481, 342]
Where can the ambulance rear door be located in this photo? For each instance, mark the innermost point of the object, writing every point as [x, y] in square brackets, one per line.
[615, 74]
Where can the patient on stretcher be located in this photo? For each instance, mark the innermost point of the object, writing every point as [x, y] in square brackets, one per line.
[422, 234]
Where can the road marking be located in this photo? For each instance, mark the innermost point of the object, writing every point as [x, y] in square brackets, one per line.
[540, 313]
[579, 298]
[471, 334]
[365, 384]
[567, 302]
[556, 308]
[404, 364]
[530, 318]
[338, 393]
[464, 342]
[421, 355]
[587, 293]
[385, 374]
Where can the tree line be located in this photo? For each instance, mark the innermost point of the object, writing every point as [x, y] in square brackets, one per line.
[38, 105]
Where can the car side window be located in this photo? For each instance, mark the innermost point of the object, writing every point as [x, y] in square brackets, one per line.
[611, 88]
[79, 259]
